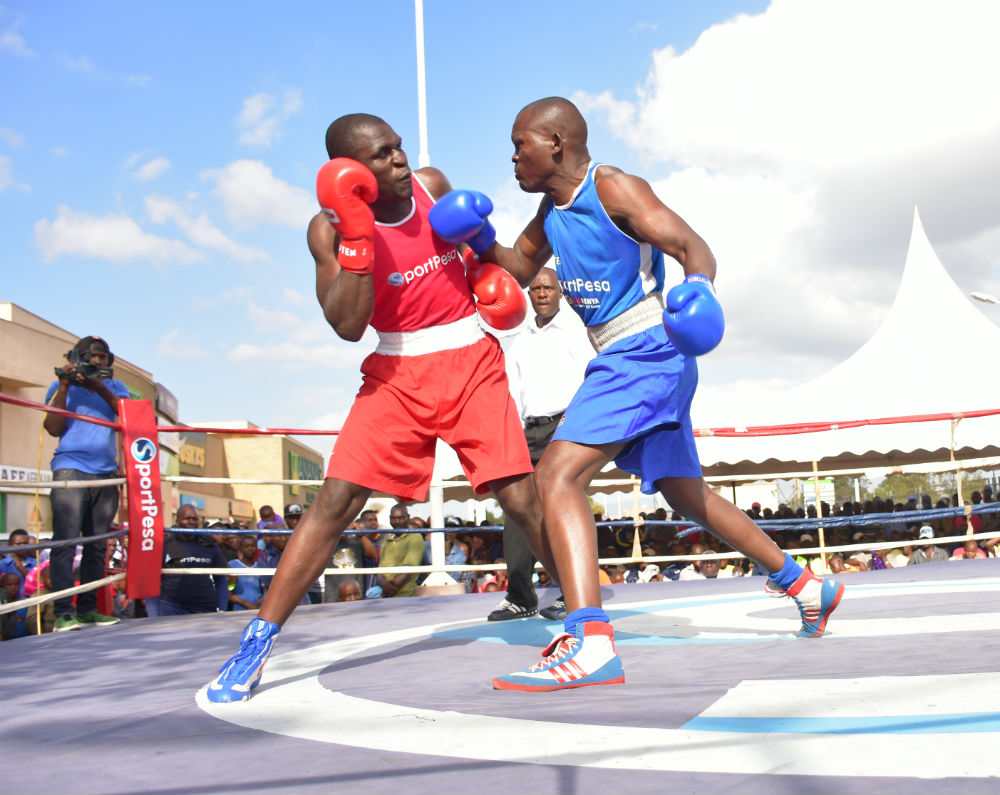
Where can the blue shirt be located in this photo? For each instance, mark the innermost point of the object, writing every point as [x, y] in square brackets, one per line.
[86, 446]
[8, 566]
[248, 588]
[602, 271]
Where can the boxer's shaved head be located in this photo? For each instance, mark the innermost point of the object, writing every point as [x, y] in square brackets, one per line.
[341, 135]
[556, 115]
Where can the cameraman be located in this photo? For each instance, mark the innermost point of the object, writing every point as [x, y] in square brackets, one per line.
[86, 451]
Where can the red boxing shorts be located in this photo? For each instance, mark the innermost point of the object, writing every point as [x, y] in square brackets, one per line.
[406, 403]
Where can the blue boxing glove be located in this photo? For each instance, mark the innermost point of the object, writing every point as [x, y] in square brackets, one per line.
[693, 316]
[460, 216]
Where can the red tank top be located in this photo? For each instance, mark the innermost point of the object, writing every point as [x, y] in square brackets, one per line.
[419, 279]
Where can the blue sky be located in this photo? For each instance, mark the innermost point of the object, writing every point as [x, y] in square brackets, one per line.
[157, 164]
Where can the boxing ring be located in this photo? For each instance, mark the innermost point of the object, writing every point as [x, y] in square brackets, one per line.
[902, 694]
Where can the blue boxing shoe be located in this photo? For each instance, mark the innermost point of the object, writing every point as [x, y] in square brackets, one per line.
[586, 658]
[241, 673]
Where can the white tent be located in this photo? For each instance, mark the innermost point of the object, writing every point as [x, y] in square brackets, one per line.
[930, 318]
[933, 322]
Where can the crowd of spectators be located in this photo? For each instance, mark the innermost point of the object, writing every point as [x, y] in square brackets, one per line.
[884, 536]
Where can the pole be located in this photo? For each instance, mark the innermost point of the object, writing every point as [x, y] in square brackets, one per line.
[958, 472]
[424, 158]
[819, 515]
[437, 539]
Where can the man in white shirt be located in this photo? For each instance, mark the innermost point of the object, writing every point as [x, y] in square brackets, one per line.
[546, 363]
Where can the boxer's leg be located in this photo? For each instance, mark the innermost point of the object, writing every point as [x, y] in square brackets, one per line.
[561, 479]
[694, 500]
[815, 597]
[305, 557]
[310, 546]
[519, 500]
[585, 655]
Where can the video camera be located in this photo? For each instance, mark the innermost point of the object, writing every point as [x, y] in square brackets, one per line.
[89, 371]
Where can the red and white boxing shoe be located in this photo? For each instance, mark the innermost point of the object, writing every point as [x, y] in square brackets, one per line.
[815, 597]
[580, 660]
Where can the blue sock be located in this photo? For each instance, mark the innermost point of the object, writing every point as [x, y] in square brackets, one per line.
[788, 574]
[582, 615]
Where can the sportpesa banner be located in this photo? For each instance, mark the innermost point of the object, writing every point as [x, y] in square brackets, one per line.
[145, 515]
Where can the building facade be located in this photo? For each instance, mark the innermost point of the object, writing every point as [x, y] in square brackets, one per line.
[30, 350]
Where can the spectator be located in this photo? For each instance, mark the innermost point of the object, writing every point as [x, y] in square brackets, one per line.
[125, 607]
[267, 516]
[19, 563]
[700, 569]
[368, 521]
[246, 593]
[181, 594]
[12, 624]
[930, 553]
[456, 554]
[961, 525]
[229, 543]
[348, 554]
[403, 549]
[399, 517]
[349, 591]
[86, 451]
[968, 551]
[46, 609]
[501, 574]
[274, 549]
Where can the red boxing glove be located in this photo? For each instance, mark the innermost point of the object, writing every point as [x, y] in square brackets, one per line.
[345, 188]
[499, 299]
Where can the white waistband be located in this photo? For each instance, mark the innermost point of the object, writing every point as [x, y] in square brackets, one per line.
[645, 314]
[431, 339]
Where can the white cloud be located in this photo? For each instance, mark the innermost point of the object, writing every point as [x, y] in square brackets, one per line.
[59, 151]
[292, 356]
[801, 139]
[200, 230]
[11, 137]
[81, 63]
[252, 194]
[304, 328]
[172, 345]
[7, 177]
[294, 298]
[112, 237]
[811, 88]
[11, 41]
[263, 115]
[138, 80]
[151, 169]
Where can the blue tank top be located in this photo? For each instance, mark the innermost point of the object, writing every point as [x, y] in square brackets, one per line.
[602, 271]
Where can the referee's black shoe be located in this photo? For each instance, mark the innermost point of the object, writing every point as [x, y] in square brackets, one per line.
[507, 610]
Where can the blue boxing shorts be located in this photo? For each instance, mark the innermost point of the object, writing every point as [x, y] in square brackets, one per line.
[639, 391]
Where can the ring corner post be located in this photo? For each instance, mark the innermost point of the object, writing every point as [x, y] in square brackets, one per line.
[141, 460]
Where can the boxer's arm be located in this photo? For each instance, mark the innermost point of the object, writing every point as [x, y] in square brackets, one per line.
[348, 300]
[636, 210]
[529, 253]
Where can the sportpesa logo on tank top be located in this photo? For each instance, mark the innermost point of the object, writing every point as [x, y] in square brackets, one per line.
[397, 279]
[573, 289]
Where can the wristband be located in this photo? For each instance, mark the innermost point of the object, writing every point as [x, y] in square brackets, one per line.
[355, 256]
[700, 277]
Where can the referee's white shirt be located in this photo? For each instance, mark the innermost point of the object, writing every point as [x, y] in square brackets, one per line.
[546, 365]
